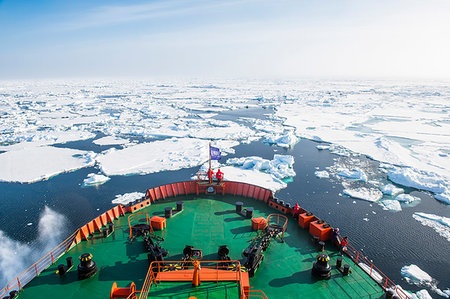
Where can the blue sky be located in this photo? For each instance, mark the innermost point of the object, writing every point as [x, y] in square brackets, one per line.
[232, 39]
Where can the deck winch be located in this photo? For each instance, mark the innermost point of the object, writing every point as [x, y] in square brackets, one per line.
[321, 267]
[254, 252]
[87, 266]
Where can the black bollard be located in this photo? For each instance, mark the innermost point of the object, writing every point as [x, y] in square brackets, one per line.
[61, 270]
[168, 212]
[87, 266]
[179, 206]
[338, 262]
[13, 294]
[239, 206]
[346, 269]
[69, 262]
[249, 213]
[105, 232]
[110, 228]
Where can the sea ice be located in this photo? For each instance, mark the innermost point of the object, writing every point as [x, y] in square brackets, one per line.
[95, 180]
[417, 179]
[392, 205]
[168, 154]
[34, 164]
[322, 174]
[110, 140]
[368, 194]
[439, 223]
[124, 199]
[280, 166]
[354, 174]
[406, 198]
[391, 190]
[422, 294]
[414, 275]
[444, 196]
[322, 147]
[287, 140]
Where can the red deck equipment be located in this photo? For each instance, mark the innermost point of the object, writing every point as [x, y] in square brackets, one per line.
[259, 223]
[304, 219]
[320, 229]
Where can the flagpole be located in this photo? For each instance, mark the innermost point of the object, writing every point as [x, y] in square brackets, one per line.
[209, 152]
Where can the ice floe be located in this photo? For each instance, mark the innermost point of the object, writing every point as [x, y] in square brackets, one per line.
[354, 174]
[391, 190]
[439, 223]
[34, 164]
[280, 166]
[94, 179]
[392, 205]
[111, 140]
[363, 193]
[287, 140]
[151, 157]
[406, 198]
[322, 174]
[421, 180]
[126, 198]
[414, 275]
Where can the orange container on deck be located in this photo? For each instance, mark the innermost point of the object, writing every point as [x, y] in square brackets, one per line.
[259, 223]
[158, 223]
[320, 229]
[304, 219]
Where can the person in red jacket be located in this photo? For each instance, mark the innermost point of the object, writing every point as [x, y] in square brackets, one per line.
[219, 176]
[210, 174]
[344, 244]
[296, 210]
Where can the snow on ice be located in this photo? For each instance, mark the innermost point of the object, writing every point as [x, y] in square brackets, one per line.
[391, 190]
[439, 223]
[392, 205]
[110, 140]
[95, 180]
[126, 198]
[322, 174]
[151, 157]
[34, 164]
[363, 193]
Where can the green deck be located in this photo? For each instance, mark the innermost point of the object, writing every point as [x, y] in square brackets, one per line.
[206, 222]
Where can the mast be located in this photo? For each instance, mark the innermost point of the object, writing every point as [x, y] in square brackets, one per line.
[209, 153]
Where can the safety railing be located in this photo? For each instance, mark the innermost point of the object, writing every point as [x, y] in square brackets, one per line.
[217, 274]
[138, 218]
[50, 258]
[374, 272]
[257, 294]
[278, 219]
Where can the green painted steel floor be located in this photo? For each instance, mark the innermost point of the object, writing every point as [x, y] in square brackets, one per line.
[206, 223]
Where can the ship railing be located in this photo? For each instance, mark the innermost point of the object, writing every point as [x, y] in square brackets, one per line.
[49, 259]
[232, 267]
[368, 267]
[257, 294]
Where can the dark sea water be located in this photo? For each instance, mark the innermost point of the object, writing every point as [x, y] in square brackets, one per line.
[391, 240]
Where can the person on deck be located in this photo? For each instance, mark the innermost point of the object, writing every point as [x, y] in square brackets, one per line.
[344, 244]
[296, 210]
[335, 238]
[219, 176]
[210, 174]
